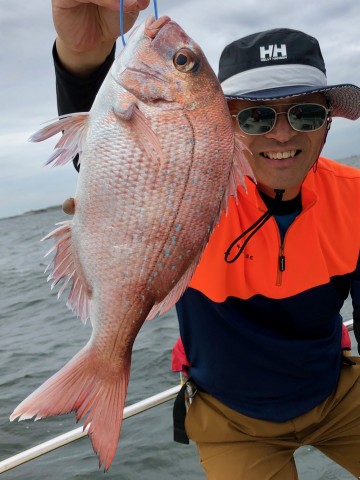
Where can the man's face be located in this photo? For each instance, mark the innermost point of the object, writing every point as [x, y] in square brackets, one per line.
[282, 157]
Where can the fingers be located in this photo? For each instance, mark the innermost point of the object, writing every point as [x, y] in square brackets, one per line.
[135, 5]
[69, 206]
[129, 5]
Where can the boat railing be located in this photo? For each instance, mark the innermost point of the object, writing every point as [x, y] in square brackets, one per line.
[76, 434]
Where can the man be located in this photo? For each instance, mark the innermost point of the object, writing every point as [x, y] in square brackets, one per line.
[260, 321]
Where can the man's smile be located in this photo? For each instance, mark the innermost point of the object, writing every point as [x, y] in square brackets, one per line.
[280, 155]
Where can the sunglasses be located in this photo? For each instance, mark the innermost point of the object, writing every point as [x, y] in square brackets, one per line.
[303, 117]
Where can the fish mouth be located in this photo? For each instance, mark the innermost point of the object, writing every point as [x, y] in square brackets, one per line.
[153, 26]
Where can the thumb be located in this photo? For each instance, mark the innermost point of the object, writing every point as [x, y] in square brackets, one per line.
[135, 5]
[69, 206]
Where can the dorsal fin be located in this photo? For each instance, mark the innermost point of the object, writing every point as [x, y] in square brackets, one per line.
[73, 127]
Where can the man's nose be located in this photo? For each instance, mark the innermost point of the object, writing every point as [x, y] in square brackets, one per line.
[282, 131]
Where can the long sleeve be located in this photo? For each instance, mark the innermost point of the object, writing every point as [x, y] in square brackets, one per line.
[75, 94]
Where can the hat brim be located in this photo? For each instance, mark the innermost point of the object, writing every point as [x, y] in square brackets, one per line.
[344, 99]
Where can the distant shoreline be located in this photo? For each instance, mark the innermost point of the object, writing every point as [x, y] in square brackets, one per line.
[32, 212]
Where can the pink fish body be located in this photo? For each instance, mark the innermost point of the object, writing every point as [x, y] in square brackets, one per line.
[158, 162]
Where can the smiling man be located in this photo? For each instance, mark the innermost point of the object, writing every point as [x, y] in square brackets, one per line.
[285, 139]
[260, 322]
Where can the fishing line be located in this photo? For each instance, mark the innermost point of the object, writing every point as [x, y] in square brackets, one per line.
[122, 22]
[122, 18]
[155, 10]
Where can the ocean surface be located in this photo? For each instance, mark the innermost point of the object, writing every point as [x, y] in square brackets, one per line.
[38, 335]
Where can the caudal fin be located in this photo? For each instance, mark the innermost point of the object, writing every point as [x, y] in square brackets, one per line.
[88, 388]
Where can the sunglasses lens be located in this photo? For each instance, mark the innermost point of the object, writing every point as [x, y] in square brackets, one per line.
[257, 120]
[307, 117]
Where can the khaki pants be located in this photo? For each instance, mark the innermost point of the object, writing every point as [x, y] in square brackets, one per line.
[233, 446]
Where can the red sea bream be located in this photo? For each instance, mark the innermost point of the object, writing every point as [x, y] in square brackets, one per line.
[159, 161]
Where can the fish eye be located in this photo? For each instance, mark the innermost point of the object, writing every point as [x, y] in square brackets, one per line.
[185, 61]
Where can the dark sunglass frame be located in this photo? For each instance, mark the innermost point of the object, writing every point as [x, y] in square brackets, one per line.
[292, 121]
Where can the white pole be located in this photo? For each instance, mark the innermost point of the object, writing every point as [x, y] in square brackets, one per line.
[73, 435]
[349, 324]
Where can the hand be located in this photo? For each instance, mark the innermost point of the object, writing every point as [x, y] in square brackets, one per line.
[87, 30]
[69, 206]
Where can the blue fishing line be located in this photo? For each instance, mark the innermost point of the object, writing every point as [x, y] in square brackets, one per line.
[122, 18]
[122, 22]
[155, 9]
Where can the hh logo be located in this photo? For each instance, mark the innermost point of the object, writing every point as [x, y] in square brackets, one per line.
[273, 52]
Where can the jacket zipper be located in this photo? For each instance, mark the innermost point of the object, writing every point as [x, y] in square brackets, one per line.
[281, 265]
[281, 255]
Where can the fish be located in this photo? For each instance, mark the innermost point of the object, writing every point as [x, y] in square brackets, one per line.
[159, 161]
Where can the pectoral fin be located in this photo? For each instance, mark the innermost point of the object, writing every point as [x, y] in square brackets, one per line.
[141, 129]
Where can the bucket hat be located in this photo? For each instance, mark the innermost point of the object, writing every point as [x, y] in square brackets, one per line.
[282, 63]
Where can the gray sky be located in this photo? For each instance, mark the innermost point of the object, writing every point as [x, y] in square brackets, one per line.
[27, 83]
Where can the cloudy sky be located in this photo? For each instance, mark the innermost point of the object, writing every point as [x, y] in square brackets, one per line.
[27, 84]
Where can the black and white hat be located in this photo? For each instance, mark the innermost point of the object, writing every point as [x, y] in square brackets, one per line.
[282, 63]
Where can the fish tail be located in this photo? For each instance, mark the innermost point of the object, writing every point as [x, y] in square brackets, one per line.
[90, 389]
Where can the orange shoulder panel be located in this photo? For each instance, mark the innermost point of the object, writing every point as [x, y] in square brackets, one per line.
[323, 241]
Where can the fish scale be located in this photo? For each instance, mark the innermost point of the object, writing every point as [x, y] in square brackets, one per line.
[159, 160]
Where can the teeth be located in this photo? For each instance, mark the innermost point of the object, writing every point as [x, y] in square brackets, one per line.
[280, 155]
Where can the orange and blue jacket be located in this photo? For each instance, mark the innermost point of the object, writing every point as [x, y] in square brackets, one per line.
[263, 334]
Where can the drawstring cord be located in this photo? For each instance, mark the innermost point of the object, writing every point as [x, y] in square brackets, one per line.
[253, 228]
